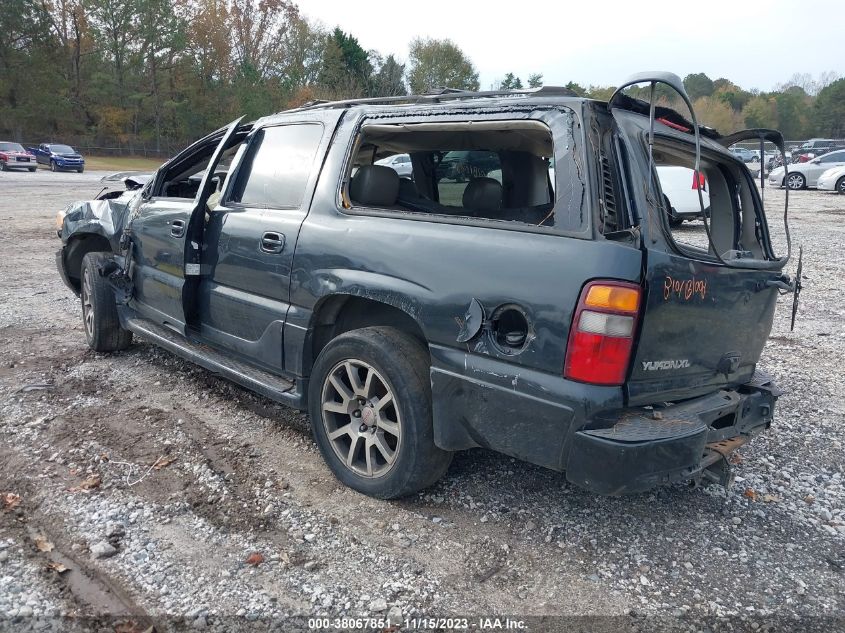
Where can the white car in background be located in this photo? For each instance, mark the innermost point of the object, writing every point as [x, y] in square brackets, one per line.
[832, 180]
[400, 163]
[679, 185]
[803, 175]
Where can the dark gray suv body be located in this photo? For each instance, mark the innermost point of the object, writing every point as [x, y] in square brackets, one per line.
[542, 309]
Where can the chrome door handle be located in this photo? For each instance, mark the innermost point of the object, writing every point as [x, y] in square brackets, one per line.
[272, 242]
[177, 228]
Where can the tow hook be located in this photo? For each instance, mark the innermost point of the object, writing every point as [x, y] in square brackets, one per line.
[719, 473]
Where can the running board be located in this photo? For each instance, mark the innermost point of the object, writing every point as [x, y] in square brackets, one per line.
[257, 380]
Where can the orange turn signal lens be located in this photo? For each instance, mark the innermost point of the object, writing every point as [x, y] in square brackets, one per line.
[613, 298]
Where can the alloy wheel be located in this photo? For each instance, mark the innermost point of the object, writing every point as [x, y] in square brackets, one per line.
[87, 305]
[840, 186]
[795, 181]
[361, 418]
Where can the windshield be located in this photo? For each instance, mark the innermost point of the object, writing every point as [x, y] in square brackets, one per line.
[62, 149]
[11, 147]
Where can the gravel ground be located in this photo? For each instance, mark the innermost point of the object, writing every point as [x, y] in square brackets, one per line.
[176, 499]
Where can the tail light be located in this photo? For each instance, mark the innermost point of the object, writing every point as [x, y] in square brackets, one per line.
[602, 333]
[699, 181]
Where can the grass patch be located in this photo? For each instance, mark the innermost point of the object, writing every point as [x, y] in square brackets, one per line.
[122, 163]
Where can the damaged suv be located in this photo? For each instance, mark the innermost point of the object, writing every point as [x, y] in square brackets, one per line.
[537, 304]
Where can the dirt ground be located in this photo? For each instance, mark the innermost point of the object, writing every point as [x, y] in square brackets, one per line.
[175, 498]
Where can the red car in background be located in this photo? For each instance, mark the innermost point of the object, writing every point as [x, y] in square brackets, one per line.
[14, 156]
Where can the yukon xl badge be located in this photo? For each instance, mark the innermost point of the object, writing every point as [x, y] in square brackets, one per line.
[655, 365]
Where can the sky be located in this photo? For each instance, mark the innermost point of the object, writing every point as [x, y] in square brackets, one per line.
[754, 44]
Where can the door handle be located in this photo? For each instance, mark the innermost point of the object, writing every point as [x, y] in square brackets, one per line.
[272, 242]
[177, 228]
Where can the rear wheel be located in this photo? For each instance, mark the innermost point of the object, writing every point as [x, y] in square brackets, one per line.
[796, 181]
[99, 311]
[31, 169]
[370, 408]
[840, 185]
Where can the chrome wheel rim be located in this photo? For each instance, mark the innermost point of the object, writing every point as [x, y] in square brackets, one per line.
[795, 182]
[842, 186]
[361, 418]
[87, 305]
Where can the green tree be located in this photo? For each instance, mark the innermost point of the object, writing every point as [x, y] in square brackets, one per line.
[389, 79]
[760, 111]
[577, 88]
[346, 69]
[439, 64]
[830, 109]
[535, 80]
[698, 85]
[793, 106]
[511, 82]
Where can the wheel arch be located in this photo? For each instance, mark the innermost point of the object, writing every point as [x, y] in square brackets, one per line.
[338, 313]
[78, 246]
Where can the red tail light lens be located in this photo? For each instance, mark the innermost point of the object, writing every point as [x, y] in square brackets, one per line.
[602, 333]
[699, 181]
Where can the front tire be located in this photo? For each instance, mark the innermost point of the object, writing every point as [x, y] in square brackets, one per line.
[369, 401]
[840, 186]
[32, 169]
[796, 182]
[80, 170]
[99, 311]
[53, 166]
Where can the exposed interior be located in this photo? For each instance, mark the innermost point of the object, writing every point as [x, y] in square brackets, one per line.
[731, 202]
[495, 170]
[183, 177]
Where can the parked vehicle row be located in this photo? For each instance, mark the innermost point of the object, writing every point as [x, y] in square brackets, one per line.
[56, 156]
[806, 175]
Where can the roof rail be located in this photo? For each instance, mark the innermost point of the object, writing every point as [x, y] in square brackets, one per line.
[439, 95]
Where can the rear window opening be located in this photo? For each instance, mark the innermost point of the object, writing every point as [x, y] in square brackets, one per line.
[491, 170]
[731, 200]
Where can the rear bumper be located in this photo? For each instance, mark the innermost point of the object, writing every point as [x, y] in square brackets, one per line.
[635, 450]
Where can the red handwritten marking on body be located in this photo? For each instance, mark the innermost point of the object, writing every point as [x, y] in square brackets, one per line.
[684, 289]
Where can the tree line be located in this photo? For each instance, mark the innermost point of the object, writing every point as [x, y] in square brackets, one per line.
[159, 73]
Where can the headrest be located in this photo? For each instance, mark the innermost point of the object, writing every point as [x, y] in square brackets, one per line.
[483, 194]
[375, 185]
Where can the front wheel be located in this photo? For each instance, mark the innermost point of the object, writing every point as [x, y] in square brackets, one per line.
[796, 181]
[99, 311]
[840, 185]
[369, 401]
[80, 170]
[32, 169]
[53, 166]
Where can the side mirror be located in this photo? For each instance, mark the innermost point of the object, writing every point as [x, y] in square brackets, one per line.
[816, 161]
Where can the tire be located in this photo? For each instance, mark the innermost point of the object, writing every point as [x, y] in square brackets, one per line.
[53, 166]
[840, 186]
[3, 166]
[80, 170]
[99, 312]
[796, 181]
[384, 407]
[32, 169]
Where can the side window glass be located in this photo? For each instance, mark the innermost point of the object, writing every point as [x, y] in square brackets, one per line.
[457, 169]
[277, 166]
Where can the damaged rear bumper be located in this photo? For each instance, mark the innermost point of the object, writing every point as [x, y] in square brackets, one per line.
[634, 450]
